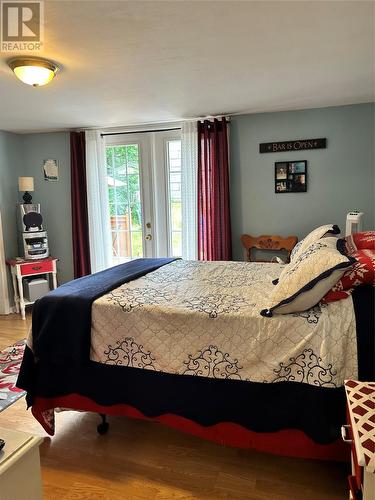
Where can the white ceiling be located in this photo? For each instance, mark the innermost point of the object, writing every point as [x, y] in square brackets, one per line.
[130, 62]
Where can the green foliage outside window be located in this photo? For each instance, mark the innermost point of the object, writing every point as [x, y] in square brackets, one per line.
[123, 172]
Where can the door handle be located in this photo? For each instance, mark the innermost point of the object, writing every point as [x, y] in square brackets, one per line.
[148, 237]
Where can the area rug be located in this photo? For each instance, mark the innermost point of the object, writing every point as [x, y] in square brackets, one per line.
[10, 362]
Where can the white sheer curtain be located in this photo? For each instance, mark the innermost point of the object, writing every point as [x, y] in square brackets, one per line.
[97, 201]
[189, 186]
[4, 296]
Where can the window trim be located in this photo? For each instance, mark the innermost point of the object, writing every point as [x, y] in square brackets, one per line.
[169, 199]
[161, 164]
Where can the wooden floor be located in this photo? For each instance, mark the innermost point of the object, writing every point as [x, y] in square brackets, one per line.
[142, 460]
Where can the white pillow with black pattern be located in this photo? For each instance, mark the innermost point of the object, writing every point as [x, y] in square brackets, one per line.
[315, 235]
[306, 280]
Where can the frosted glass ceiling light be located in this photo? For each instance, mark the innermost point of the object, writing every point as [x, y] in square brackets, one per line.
[33, 71]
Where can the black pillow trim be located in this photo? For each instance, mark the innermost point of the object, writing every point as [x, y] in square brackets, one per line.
[340, 245]
[342, 249]
[267, 313]
[335, 229]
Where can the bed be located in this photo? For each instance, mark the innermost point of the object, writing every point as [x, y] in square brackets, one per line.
[183, 343]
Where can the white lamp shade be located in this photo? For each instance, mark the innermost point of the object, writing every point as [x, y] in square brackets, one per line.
[25, 183]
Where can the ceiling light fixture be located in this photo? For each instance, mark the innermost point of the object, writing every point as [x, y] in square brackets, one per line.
[33, 71]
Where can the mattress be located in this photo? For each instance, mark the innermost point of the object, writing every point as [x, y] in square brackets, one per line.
[202, 319]
[160, 338]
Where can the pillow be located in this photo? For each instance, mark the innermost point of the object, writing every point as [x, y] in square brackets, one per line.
[362, 273]
[360, 241]
[306, 280]
[295, 250]
[315, 235]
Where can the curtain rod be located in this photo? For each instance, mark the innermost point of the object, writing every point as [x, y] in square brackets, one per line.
[141, 131]
[226, 118]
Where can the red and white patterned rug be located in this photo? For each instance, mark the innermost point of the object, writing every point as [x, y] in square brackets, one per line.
[10, 362]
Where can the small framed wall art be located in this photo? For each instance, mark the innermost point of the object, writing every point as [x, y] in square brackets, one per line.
[51, 170]
[291, 176]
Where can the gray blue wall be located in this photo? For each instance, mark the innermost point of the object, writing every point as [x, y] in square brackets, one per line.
[340, 178]
[23, 155]
[54, 197]
[10, 161]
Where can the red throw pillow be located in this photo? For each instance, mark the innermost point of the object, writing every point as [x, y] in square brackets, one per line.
[362, 273]
[360, 241]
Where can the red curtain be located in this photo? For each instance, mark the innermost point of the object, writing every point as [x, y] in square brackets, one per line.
[80, 222]
[214, 229]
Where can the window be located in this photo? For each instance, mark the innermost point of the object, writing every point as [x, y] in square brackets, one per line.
[174, 198]
[125, 201]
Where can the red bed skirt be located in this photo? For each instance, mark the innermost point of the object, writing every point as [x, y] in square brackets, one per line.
[287, 442]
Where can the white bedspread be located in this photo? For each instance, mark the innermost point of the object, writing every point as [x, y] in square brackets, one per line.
[202, 318]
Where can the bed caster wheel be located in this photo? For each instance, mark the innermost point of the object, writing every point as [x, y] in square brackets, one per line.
[103, 427]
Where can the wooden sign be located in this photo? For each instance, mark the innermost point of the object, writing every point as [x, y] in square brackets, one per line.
[297, 145]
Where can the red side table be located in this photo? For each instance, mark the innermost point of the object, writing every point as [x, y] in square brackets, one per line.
[21, 268]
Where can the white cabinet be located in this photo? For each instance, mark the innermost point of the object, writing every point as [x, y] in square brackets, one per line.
[20, 477]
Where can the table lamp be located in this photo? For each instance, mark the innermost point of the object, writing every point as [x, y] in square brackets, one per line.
[26, 184]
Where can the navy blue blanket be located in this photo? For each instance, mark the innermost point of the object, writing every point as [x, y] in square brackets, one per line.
[62, 325]
[61, 321]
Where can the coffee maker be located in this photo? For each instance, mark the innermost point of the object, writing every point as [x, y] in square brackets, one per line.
[32, 238]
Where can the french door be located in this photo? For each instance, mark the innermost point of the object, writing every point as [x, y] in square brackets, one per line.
[144, 191]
